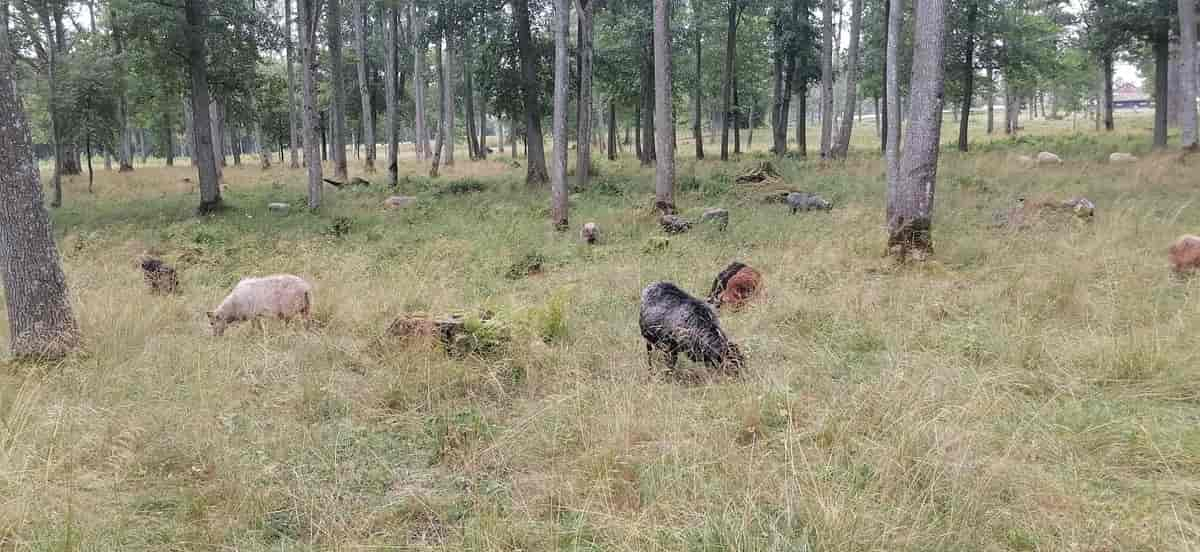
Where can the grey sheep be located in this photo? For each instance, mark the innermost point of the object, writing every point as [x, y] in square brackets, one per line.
[673, 322]
[718, 216]
[800, 201]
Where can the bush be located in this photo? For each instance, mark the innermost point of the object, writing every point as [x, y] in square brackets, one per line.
[531, 263]
[461, 187]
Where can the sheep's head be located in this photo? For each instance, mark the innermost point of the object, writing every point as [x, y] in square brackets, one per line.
[217, 323]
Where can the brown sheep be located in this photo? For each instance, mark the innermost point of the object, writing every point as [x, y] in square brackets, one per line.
[159, 276]
[735, 286]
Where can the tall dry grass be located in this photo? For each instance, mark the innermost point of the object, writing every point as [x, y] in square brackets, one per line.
[1024, 390]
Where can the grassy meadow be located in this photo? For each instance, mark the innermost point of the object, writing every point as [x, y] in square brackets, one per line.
[1023, 390]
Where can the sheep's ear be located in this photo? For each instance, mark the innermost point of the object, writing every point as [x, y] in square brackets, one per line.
[210, 316]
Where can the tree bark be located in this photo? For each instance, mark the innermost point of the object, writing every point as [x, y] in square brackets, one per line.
[337, 102]
[1108, 92]
[991, 102]
[1187, 76]
[535, 174]
[364, 90]
[41, 323]
[558, 167]
[195, 16]
[168, 141]
[235, 146]
[309, 20]
[438, 61]
[910, 195]
[968, 78]
[474, 150]
[612, 129]
[1161, 47]
[843, 138]
[390, 26]
[52, 52]
[664, 172]
[420, 45]
[125, 147]
[802, 121]
[827, 78]
[737, 119]
[293, 119]
[647, 111]
[697, 94]
[583, 125]
[892, 100]
[727, 78]
[778, 53]
[448, 94]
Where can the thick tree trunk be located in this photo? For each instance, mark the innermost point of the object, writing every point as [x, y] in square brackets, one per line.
[293, 118]
[40, 321]
[1107, 64]
[125, 147]
[778, 53]
[637, 130]
[1187, 76]
[843, 138]
[235, 146]
[649, 153]
[535, 174]
[438, 61]
[827, 78]
[968, 78]
[727, 116]
[1161, 47]
[189, 133]
[337, 102]
[196, 15]
[391, 25]
[364, 90]
[882, 114]
[309, 20]
[697, 95]
[910, 195]
[664, 172]
[892, 100]
[583, 125]
[52, 52]
[217, 125]
[420, 124]
[558, 167]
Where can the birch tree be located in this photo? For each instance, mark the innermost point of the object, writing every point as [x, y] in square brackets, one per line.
[558, 167]
[852, 61]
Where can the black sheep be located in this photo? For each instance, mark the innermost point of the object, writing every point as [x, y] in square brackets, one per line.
[674, 322]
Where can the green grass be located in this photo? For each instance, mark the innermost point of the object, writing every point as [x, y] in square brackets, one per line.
[1023, 390]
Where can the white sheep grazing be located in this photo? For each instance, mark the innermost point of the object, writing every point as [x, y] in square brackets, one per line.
[590, 233]
[1047, 157]
[283, 296]
[1118, 157]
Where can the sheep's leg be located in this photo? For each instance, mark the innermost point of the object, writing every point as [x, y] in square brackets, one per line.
[649, 354]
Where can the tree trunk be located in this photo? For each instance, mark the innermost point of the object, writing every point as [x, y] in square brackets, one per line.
[235, 146]
[637, 131]
[473, 149]
[583, 125]
[87, 140]
[293, 118]
[1161, 47]
[648, 146]
[991, 102]
[390, 26]
[558, 168]
[737, 119]
[40, 321]
[697, 94]
[535, 174]
[52, 53]
[892, 100]
[802, 121]
[441, 130]
[612, 129]
[364, 91]
[420, 125]
[827, 78]
[337, 102]
[125, 148]
[196, 15]
[483, 149]
[1108, 92]
[189, 133]
[664, 171]
[449, 92]
[910, 195]
[1187, 76]
[778, 53]
[168, 141]
[218, 137]
[309, 20]
[843, 138]
[968, 76]
[727, 77]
